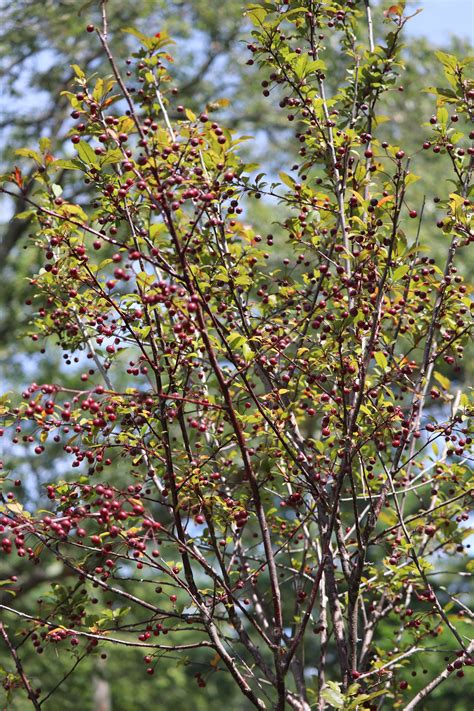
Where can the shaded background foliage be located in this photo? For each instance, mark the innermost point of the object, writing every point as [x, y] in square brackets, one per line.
[41, 38]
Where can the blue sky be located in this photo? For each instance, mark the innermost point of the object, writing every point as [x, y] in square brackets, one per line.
[441, 18]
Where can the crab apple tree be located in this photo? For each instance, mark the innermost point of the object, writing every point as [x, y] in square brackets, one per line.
[264, 432]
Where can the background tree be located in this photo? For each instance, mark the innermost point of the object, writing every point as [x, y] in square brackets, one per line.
[280, 232]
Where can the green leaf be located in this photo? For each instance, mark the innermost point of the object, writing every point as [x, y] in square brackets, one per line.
[190, 115]
[74, 210]
[44, 144]
[332, 695]
[247, 352]
[235, 340]
[86, 153]
[68, 164]
[456, 136]
[442, 380]
[113, 156]
[411, 178]
[78, 71]
[362, 698]
[400, 243]
[400, 272]
[381, 360]
[287, 180]
[257, 15]
[28, 153]
[243, 280]
[446, 94]
[447, 60]
[139, 35]
[26, 214]
[157, 229]
[155, 42]
[443, 117]
[98, 90]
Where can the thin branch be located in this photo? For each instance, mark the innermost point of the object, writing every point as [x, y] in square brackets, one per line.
[426, 691]
[370, 26]
[19, 667]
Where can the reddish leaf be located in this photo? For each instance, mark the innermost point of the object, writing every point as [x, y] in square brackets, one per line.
[17, 177]
[393, 10]
[384, 200]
